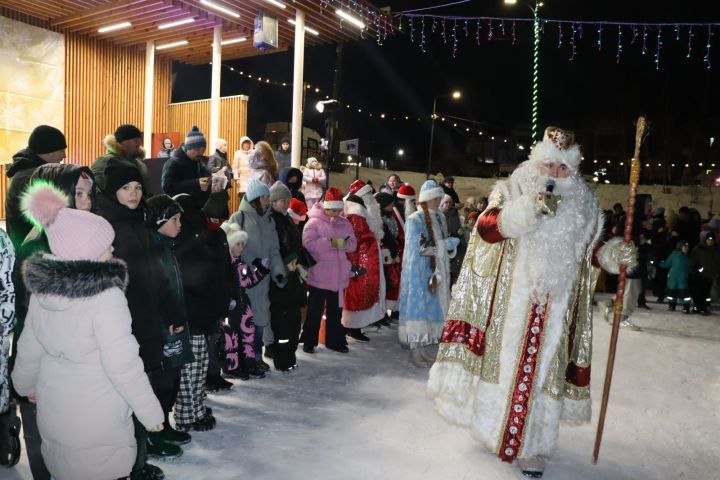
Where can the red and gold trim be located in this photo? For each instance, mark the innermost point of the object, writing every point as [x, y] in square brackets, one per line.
[522, 390]
[458, 331]
[488, 226]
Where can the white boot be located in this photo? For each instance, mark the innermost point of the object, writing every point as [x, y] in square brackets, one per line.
[531, 467]
[417, 359]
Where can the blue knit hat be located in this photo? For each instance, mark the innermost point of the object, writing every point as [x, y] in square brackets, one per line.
[256, 189]
[195, 139]
[429, 190]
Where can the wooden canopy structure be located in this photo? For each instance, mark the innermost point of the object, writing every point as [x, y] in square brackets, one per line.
[86, 17]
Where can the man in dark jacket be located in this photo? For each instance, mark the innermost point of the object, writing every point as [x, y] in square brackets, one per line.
[185, 173]
[283, 154]
[125, 146]
[46, 145]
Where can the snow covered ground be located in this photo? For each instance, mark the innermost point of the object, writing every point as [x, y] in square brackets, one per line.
[364, 415]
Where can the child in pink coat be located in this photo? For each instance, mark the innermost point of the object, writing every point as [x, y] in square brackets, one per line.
[328, 237]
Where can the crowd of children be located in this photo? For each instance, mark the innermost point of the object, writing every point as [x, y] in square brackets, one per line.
[134, 306]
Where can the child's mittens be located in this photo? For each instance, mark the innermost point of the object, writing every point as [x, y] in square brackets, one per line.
[262, 265]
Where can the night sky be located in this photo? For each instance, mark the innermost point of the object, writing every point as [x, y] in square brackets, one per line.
[590, 94]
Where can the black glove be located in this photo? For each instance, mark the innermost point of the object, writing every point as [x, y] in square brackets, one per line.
[257, 263]
[358, 271]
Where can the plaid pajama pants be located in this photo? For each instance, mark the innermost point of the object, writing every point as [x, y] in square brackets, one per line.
[190, 403]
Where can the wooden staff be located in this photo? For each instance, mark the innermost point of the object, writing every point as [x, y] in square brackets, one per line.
[634, 179]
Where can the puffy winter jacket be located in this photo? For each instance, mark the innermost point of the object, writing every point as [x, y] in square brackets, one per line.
[314, 180]
[79, 358]
[262, 243]
[332, 270]
[240, 168]
[115, 150]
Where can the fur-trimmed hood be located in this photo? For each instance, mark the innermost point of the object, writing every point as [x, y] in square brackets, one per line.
[114, 147]
[59, 282]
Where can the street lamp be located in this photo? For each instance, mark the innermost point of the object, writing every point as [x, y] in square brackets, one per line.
[536, 62]
[401, 152]
[455, 95]
[329, 108]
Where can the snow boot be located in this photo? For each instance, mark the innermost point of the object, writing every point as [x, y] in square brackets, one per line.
[357, 334]
[148, 472]
[416, 358]
[172, 436]
[159, 449]
[531, 467]
[216, 383]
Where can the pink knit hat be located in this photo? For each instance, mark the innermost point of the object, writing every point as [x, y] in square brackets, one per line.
[72, 234]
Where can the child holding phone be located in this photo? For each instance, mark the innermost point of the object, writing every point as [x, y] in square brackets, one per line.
[329, 238]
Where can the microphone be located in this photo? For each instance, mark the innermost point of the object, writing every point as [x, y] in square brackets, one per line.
[550, 185]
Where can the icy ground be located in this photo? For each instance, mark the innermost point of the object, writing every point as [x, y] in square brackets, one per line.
[364, 415]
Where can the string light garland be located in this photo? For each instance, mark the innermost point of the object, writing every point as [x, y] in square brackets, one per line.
[496, 28]
[469, 126]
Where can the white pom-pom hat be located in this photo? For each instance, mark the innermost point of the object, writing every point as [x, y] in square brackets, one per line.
[72, 234]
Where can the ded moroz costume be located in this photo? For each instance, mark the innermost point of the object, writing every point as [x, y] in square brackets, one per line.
[515, 353]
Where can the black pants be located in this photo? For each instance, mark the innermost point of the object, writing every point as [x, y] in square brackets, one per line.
[28, 413]
[285, 323]
[700, 291]
[334, 331]
[214, 342]
[166, 384]
[141, 437]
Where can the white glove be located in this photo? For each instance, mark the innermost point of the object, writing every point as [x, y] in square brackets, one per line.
[519, 216]
[625, 254]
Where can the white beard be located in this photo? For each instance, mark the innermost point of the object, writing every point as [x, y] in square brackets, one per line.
[374, 217]
[559, 243]
[410, 207]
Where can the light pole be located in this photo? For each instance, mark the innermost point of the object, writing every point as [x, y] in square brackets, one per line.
[456, 94]
[329, 109]
[535, 64]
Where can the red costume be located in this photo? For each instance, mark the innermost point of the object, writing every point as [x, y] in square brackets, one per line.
[362, 296]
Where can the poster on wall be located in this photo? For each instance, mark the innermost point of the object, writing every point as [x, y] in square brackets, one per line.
[32, 88]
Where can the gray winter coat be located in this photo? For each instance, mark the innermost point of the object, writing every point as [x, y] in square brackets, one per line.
[262, 243]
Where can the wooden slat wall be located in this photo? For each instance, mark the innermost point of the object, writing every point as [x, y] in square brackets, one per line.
[104, 87]
[233, 124]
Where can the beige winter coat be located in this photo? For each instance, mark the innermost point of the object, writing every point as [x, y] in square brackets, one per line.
[241, 169]
[77, 355]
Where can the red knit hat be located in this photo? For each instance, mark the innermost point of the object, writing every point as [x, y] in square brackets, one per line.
[406, 191]
[333, 199]
[359, 188]
[297, 210]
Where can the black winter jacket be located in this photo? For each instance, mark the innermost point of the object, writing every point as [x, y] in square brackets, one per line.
[151, 302]
[206, 269]
[180, 174]
[24, 164]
